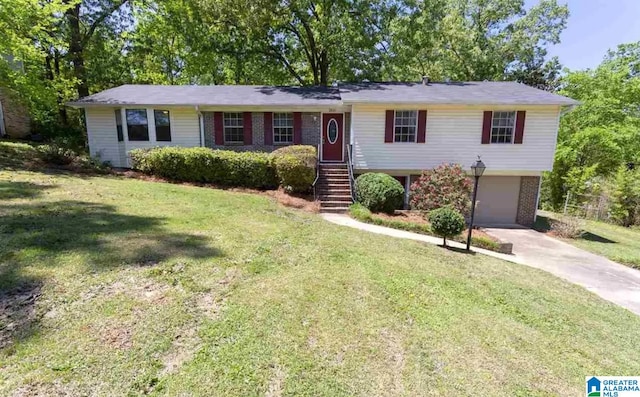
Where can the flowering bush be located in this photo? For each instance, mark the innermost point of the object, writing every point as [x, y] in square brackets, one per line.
[446, 185]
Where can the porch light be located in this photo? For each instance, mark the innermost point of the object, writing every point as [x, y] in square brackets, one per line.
[478, 169]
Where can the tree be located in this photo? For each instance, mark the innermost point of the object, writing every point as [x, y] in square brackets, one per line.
[477, 40]
[604, 131]
[625, 208]
[446, 222]
[83, 18]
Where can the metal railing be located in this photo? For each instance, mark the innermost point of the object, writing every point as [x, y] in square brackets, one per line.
[315, 181]
[350, 168]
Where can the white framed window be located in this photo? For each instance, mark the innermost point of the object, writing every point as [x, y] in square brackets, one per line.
[282, 128]
[233, 128]
[163, 125]
[503, 125]
[137, 125]
[405, 125]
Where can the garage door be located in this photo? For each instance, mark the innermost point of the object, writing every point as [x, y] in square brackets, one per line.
[497, 200]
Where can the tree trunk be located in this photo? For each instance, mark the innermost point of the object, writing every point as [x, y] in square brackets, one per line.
[76, 50]
[324, 68]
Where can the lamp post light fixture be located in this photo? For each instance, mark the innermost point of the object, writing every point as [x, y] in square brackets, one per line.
[478, 169]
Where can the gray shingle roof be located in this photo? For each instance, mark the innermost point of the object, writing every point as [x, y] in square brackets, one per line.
[234, 95]
[485, 93]
[479, 92]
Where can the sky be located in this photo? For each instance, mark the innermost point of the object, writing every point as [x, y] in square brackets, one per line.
[594, 26]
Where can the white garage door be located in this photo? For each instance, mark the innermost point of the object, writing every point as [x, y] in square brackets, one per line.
[497, 200]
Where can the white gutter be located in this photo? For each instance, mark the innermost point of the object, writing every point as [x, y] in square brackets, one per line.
[201, 125]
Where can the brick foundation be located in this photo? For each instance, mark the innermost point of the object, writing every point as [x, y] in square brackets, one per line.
[528, 200]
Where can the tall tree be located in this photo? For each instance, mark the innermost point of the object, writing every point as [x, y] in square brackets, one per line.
[83, 18]
[477, 39]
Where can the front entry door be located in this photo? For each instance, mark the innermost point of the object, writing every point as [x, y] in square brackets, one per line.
[332, 137]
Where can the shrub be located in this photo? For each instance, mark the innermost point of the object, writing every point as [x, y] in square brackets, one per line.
[625, 208]
[567, 227]
[446, 185]
[379, 192]
[55, 154]
[446, 222]
[223, 167]
[295, 167]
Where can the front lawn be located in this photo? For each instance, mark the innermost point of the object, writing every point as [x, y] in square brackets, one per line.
[620, 244]
[114, 286]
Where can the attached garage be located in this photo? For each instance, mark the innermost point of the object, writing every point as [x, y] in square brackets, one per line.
[498, 198]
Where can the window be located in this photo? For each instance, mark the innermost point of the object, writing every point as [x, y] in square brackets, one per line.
[233, 130]
[282, 128]
[119, 125]
[405, 126]
[163, 125]
[137, 126]
[502, 127]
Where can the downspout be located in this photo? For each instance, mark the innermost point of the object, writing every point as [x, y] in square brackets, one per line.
[200, 125]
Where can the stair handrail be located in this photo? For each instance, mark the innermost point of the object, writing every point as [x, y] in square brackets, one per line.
[315, 181]
[350, 168]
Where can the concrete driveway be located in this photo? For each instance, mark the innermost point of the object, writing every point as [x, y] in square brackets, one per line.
[610, 280]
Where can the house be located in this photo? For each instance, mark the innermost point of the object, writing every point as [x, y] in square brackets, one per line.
[14, 115]
[396, 128]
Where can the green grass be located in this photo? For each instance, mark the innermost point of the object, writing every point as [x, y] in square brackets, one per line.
[113, 286]
[620, 244]
[361, 213]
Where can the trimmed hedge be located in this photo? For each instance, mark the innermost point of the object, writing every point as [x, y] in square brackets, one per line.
[379, 192]
[446, 222]
[295, 167]
[222, 167]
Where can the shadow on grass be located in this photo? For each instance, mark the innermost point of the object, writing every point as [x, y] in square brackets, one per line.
[72, 233]
[17, 190]
[458, 250]
[596, 239]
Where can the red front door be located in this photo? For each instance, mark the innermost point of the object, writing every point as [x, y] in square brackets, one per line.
[332, 137]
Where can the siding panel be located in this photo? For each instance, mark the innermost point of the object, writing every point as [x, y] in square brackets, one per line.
[454, 136]
[102, 135]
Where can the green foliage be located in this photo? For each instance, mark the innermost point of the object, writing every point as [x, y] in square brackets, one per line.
[379, 192]
[361, 213]
[477, 40]
[55, 154]
[625, 208]
[446, 222]
[295, 167]
[222, 167]
[602, 133]
[446, 185]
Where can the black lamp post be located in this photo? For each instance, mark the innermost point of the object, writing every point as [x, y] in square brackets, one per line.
[478, 169]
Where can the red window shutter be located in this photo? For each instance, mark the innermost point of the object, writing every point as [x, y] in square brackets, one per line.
[521, 115]
[388, 127]
[297, 128]
[247, 128]
[218, 128]
[486, 127]
[422, 126]
[268, 128]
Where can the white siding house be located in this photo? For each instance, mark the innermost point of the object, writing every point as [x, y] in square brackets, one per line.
[453, 135]
[397, 128]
